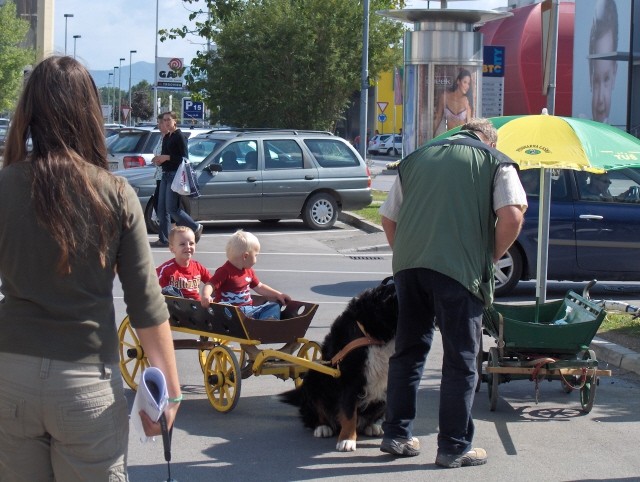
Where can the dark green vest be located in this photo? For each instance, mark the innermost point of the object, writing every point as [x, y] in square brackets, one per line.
[446, 222]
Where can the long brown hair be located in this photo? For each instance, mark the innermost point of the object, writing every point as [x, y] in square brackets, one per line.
[59, 110]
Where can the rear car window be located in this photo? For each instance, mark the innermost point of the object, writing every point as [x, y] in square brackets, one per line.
[283, 154]
[126, 142]
[332, 153]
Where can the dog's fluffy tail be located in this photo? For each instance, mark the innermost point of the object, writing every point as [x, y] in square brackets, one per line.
[292, 397]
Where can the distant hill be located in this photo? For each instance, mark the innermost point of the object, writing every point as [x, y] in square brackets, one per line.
[139, 71]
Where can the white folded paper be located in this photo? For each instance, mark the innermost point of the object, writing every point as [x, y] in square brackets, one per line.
[151, 397]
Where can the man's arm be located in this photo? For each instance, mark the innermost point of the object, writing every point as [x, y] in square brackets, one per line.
[389, 228]
[510, 219]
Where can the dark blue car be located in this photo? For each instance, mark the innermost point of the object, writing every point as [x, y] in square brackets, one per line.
[594, 230]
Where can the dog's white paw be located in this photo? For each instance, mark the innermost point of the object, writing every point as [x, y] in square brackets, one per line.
[323, 431]
[346, 446]
[373, 430]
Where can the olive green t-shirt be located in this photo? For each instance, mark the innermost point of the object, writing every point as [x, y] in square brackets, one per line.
[71, 317]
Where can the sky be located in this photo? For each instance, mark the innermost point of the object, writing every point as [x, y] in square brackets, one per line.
[110, 29]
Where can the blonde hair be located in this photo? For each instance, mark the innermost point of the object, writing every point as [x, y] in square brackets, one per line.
[179, 229]
[241, 242]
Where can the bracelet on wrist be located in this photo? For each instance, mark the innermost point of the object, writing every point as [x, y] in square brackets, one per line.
[175, 400]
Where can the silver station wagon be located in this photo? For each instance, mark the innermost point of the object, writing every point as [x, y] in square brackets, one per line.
[268, 175]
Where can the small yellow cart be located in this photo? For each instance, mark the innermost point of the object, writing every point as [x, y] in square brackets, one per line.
[229, 346]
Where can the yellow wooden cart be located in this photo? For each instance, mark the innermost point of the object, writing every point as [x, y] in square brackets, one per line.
[229, 346]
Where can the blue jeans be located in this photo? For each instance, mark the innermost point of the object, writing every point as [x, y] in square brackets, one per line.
[427, 298]
[169, 207]
[265, 311]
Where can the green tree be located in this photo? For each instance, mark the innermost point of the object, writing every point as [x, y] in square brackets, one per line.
[291, 64]
[142, 101]
[13, 58]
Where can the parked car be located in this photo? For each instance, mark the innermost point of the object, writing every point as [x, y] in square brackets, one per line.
[375, 141]
[269, 175]
[392, 145]
[589, 237]
[134, 146]
[3, 137]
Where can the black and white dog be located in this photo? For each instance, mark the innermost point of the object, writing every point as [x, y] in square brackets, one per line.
[360, 342]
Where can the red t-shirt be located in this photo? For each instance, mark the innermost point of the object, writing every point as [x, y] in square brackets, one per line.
[186, 279]
[233, 285]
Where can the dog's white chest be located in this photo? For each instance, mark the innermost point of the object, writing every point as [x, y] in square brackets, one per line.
[376, 370]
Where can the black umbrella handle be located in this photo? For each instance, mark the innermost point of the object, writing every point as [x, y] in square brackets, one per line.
[166, 443]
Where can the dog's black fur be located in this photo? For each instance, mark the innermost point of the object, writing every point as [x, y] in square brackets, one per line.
[354, 402]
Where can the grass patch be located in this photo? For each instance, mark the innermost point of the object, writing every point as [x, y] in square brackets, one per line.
[621, 324]
[370, 213]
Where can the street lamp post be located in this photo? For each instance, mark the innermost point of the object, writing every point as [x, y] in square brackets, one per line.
[122, 59]
[114, 90]
[66, 17]
[75, 38]
[131, 52]
[109, 95]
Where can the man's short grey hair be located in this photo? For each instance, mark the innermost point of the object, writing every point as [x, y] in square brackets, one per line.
[484, 127]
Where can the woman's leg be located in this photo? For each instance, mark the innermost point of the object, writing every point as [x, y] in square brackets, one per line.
[176, 212]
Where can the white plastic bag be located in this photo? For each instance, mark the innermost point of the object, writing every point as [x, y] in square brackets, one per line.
[180, 183]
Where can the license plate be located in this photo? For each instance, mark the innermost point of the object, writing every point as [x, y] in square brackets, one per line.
[113, 166]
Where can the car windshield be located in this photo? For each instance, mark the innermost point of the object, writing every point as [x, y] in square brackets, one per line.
[200, 148]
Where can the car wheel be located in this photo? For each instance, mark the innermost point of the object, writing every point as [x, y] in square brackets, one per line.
[153, 227]
[390, 151]
[320, 211]
[508, 271]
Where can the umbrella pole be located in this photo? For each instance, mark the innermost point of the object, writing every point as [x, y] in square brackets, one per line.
[543, 239]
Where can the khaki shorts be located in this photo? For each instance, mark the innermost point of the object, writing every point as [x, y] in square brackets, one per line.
[61, 421]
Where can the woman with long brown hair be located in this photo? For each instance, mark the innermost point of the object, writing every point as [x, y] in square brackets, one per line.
[67, 227]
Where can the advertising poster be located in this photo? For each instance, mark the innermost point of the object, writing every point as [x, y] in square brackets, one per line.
[454, 94]
[601, 60]
[170, 73]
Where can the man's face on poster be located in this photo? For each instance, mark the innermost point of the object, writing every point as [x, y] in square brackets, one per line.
[603, 76]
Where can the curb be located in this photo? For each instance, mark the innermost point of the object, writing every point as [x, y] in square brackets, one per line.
[616, 355]
[358, 222]
[607, 352]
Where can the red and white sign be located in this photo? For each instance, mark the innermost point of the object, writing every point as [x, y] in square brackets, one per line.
[170, 73]
[382, 105]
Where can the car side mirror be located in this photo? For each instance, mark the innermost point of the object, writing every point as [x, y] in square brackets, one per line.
[213, 167]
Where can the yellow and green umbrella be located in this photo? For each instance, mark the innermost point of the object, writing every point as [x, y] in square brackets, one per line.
[546, 141]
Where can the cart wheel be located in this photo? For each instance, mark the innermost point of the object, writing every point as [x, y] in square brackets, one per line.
[203, 354]
[132, 358]
[479, 360]
[493, 379]
[309, 351]
[222, 378]
[588, 390]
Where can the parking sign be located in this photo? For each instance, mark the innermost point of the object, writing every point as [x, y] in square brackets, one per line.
[192, 109]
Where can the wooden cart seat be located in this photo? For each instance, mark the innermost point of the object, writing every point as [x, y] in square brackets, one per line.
[226, 321]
